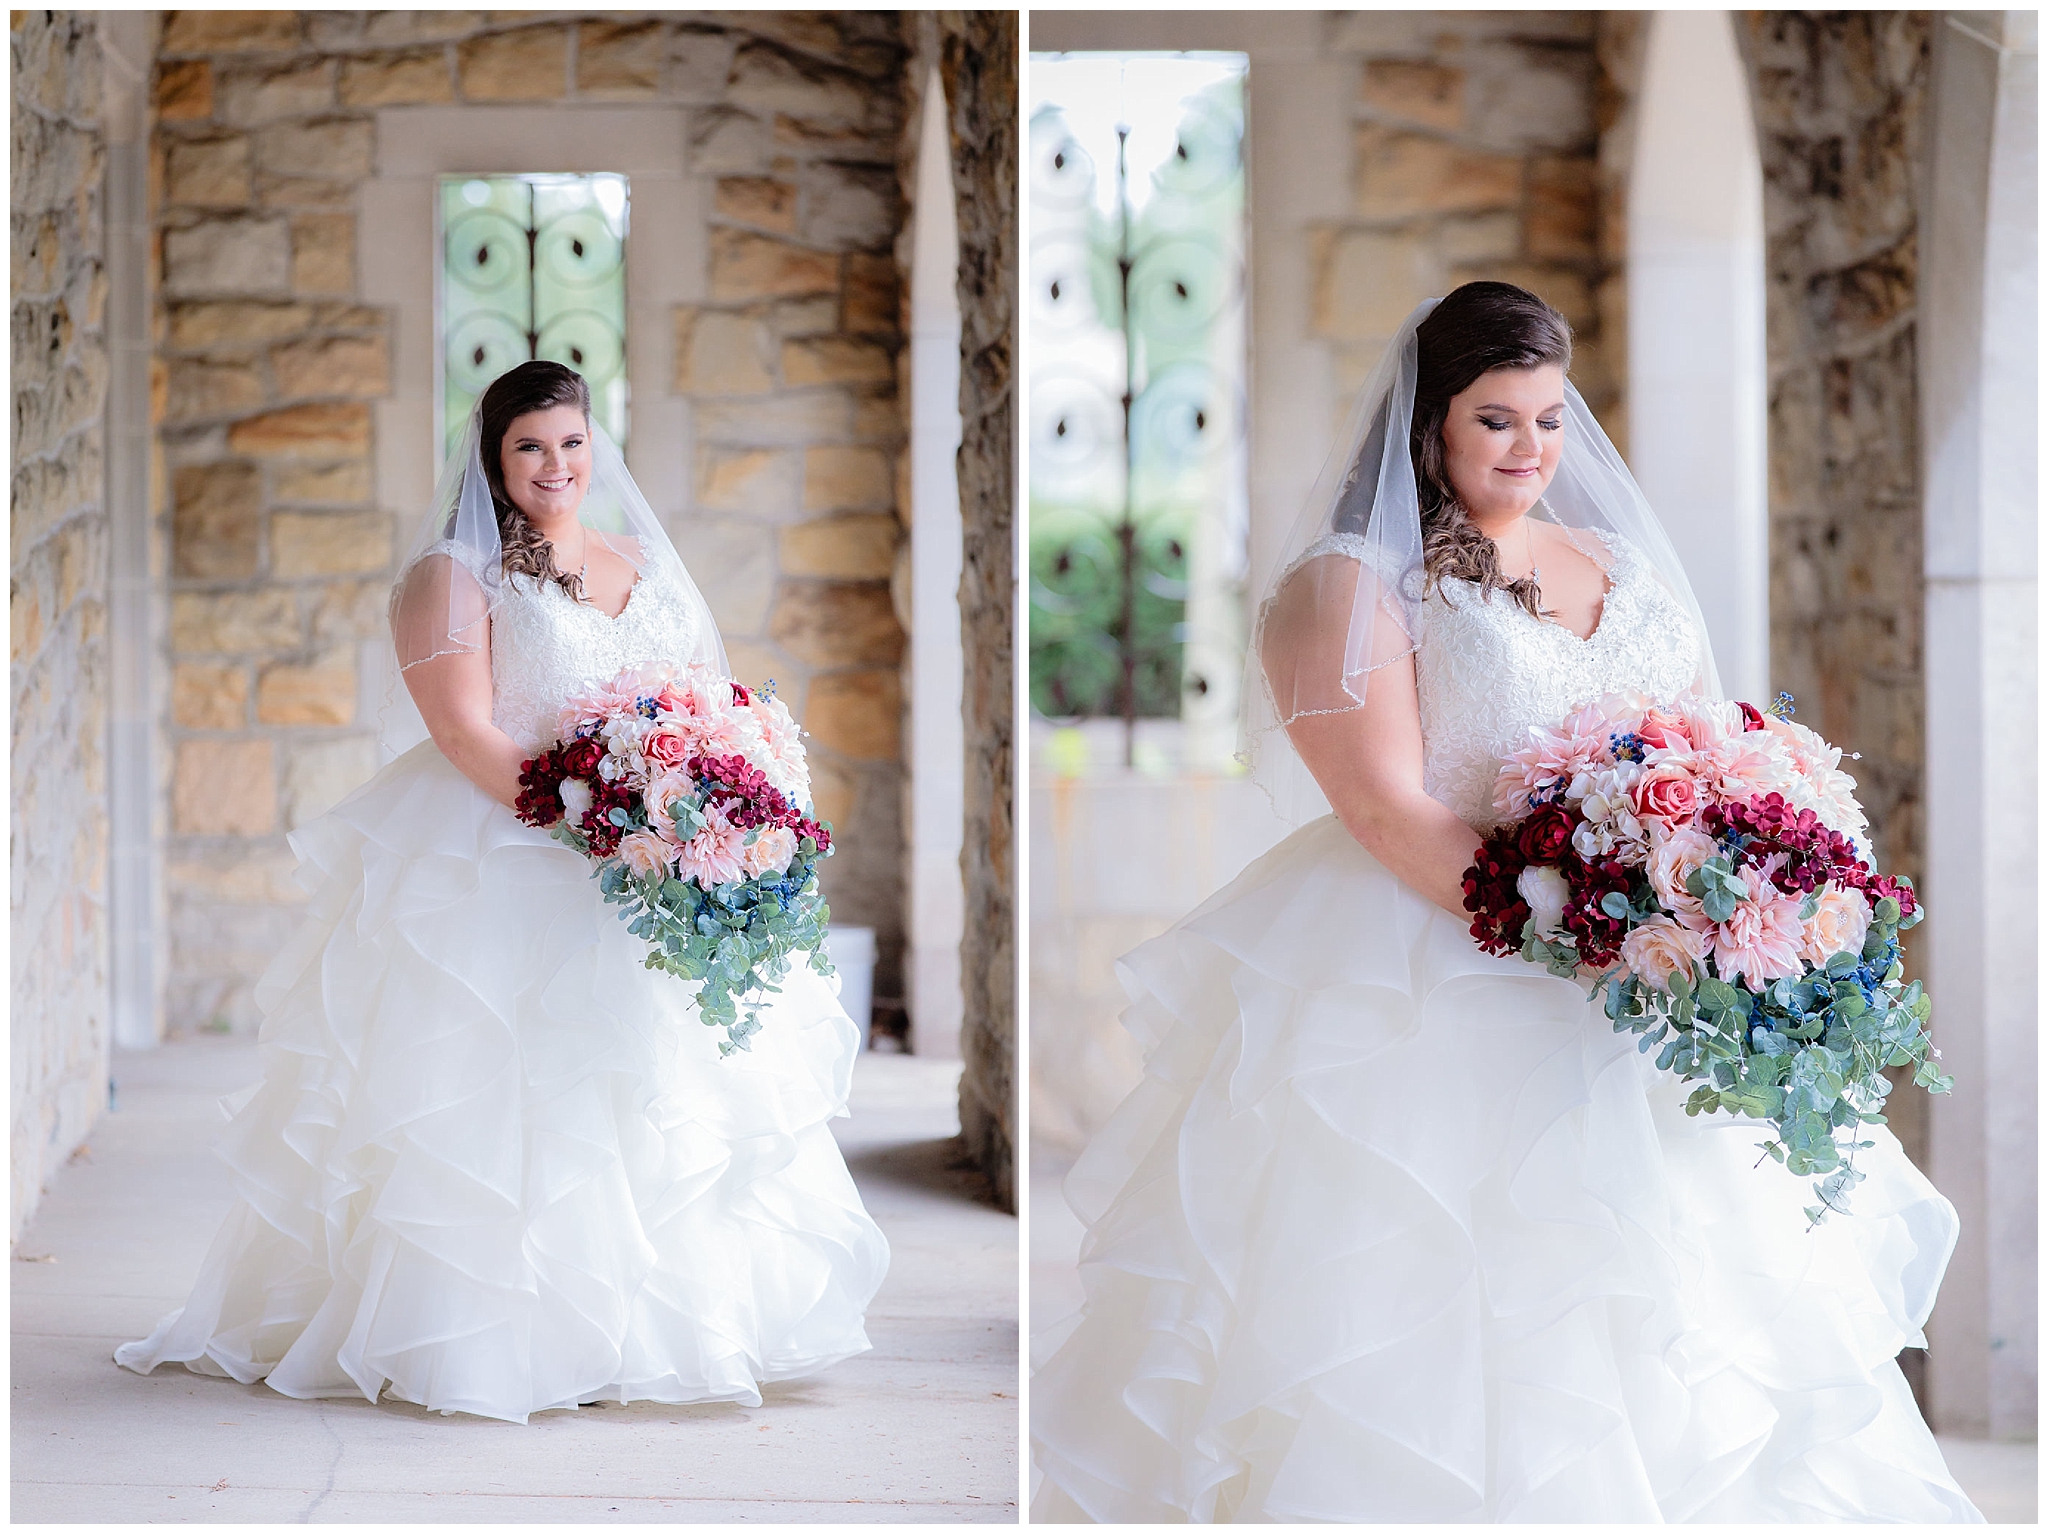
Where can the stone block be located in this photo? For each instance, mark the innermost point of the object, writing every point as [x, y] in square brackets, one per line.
[208, 173]
[619, 61]
[746, 266]
[761, 201]
[837, 360]
[1480, 237]
[851, 206]
[323, 484]
[24, 622]
[1534, 97]
[1417, 91]
[766, 80]
[1398, 174]
[319, 694]
[197, 325]
[209, 697]
[256, 875]
[732, 559]
[700, 61]
[184, 91]
[389, 27]
[725, 141]
[1564, 208]
[304, 192]
[248, 98]
[873, 295]
[836, 623]
[349, 610]
[804, 317]
[531, 64]
[216, 521]
[834, 793]
[760, 481]
[358, 366]
[858, 548]
[720, 352]
[230, 32]
[397, 79]
[777, 420]
[339, 149]
[858, 714]
[304, 431]
[1367, 281]
[329, 543]
[319, 774]
[197, 390]
[233, 257]
[224, 788]
[847, 479]
[815, 32]
[847, 145]
[233, 623]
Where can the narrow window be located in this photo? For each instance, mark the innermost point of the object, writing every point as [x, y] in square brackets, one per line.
[1138, 469]
[532, 266]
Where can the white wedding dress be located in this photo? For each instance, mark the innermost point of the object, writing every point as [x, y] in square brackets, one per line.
[494, 1165]
[1393, 1230]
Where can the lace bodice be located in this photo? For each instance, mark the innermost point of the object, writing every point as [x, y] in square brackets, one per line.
[545, 646]
[1486, 671]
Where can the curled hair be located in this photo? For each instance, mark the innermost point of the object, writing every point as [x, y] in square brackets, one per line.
[530, 386]
[1477, 328]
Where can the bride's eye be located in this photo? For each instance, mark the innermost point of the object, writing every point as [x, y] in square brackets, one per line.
[1550, 425]
[1495, 425]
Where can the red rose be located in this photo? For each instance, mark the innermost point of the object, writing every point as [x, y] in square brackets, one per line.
[580, 758]
[1547, 834]
[1752, 716]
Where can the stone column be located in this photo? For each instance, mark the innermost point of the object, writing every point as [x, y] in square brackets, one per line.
[978, 62]
[57, 600]
[1978, 396]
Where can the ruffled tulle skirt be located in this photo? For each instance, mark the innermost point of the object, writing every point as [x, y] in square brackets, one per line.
[494, 1165]
[1393, 1230]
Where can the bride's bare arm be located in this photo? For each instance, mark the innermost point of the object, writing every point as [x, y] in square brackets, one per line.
[1366, 759]
[1368, 763]
[454, 697]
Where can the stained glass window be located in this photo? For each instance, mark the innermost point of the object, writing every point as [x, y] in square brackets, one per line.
[532, 266]
[1138, 465]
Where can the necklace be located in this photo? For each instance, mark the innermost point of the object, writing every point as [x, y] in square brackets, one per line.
[1529, 534]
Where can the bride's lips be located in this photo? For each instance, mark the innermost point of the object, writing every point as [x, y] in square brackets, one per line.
[1519, 473]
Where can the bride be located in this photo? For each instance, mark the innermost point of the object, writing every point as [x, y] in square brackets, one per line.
[1395, 1231]
[494, 1165]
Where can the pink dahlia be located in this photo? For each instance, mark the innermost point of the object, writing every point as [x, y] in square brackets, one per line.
[717, 853]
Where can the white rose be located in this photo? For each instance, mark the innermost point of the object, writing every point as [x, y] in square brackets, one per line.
[1546, 891]
[575, 799]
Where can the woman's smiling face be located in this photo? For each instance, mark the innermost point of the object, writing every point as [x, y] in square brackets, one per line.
[1503, 437]
[545, 460]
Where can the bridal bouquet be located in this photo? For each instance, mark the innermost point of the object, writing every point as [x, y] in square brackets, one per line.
[1709, 862]
[691, 795]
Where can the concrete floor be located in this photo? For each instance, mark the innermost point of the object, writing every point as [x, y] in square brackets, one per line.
[2001, 1478]
[921, 1429]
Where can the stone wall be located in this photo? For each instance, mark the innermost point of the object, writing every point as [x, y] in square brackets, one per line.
[978, 63]
[57, 600]
[1475, 154]
[282, 554]
[1839, 100]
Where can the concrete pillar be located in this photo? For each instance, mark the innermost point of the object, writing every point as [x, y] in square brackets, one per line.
[135, 617]
[1696, 366]
[936, 807]
[1978, 421]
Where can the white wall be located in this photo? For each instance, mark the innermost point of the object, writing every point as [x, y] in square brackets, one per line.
[1696, 365]
[1979, 401]
[936, 811]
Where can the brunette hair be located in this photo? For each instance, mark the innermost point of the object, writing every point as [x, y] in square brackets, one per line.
[1477, 328]
[530, 386]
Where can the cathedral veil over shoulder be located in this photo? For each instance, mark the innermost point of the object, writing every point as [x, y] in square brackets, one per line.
[496, 1164]
[1397, 1229]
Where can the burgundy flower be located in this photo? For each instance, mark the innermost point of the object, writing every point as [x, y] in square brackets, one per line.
[579, 758]
[1752, 716]
[1546, 836]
